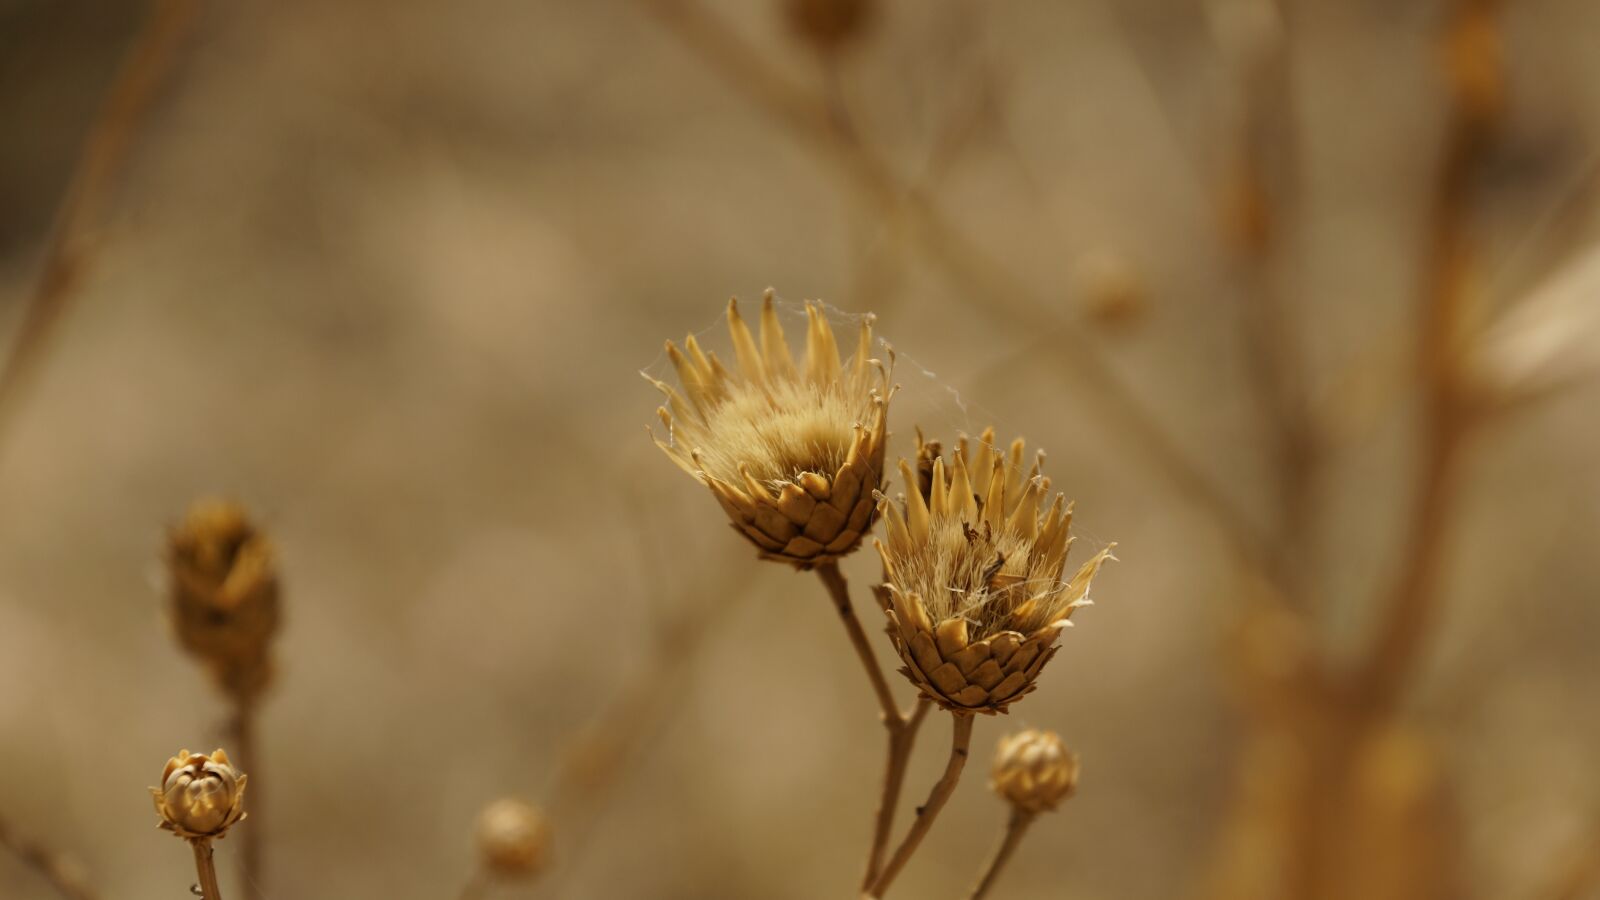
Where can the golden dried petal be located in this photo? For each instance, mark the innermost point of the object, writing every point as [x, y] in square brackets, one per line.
[774, 348]
[796, 504]
[816, 485]
[951, 635]
[744, 346]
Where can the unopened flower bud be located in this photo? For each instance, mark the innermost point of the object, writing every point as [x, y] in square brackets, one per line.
[200, 796]
[512, 838]
[1034, 771]
[224, 585]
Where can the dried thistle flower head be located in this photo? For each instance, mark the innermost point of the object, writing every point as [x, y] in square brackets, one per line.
[224, 585]
[200, 796]
[974, 583]
[793, 452]
[1034, 771]
[513, 838]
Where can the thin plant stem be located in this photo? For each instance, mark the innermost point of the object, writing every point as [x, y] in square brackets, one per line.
[1016, 827]
[901, 727]
[53, 866]
[960, 740]
[596, 760]
[207, 870]
[902, 739]
[100, 165]
[839, 591]
[241, 730]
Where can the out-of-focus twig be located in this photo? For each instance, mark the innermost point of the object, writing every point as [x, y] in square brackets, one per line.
[1473, 67]
[982, 279]
[51, 865]
[595, 760]
[74, 234]
[1256, 201]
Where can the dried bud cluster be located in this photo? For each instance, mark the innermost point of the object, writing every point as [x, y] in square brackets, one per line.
[792, 452]
[200, 796]
[974, 587]
[1034, 771]
[512, 838]
[224, 586]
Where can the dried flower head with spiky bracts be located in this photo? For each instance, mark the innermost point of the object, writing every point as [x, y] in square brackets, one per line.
[1034, 771]
[224, 585]
[792, 451]
[200, 796]
[974, 576]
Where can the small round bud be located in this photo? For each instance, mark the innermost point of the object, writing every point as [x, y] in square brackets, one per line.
[200, 796]
[1034, 771]
[1110, 289]
[513, 838]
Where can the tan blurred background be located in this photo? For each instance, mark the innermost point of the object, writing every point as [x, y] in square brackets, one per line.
[387, 272]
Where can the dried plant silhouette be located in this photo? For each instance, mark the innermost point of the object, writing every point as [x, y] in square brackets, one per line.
[581, 602]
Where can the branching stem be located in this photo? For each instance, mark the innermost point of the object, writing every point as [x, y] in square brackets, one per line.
[960, 740]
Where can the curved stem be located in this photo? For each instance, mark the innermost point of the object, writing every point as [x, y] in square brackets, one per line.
[74, 235]
[839, 590]
[206, 869]
[902, 738]
[960, 739]
[1016, 827]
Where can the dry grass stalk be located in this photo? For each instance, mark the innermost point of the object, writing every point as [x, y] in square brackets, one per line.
[61, 872]
[74, 234]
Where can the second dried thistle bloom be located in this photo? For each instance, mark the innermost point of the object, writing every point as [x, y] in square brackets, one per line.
[224, 585]
[974, 576]
[200, 796]
[792, 451]
[1033, 770]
